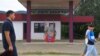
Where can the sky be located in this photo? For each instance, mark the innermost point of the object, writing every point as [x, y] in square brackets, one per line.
[14, 5]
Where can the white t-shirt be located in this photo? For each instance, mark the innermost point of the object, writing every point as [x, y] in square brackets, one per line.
[86, 39]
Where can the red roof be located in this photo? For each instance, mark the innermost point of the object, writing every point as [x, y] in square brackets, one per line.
[50, 17]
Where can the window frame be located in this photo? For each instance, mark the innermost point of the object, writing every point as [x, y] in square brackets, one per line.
[38, 30]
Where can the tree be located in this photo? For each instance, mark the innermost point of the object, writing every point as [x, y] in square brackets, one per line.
[90, 8]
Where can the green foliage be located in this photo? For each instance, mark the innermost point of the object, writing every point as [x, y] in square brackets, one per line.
[64, 31]
[79, 30]
[90, 8]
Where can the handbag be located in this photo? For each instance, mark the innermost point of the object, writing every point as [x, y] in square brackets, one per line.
[7, 53]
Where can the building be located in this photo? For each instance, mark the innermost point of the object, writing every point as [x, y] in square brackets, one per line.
[30, 26]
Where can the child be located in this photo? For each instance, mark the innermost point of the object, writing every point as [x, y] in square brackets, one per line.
[86, 41]
[91, 49]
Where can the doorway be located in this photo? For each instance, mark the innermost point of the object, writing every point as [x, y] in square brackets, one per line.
[24, 31]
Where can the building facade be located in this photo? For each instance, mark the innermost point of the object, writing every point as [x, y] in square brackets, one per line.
[31, 26]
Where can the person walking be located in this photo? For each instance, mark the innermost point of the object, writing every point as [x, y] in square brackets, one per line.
[8, 33]
[91, 49]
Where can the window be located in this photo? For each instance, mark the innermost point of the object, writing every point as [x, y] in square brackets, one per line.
[0, 27]
[52, 25]
[39, 27]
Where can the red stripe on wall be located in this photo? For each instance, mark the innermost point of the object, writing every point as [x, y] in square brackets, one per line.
[50, 17]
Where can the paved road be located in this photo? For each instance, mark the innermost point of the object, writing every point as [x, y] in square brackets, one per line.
[42, 48]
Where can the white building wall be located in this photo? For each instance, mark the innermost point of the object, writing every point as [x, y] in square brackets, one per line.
[1, 33]
[0, 36]
[58, 30]
[40, 36]
[18, 26]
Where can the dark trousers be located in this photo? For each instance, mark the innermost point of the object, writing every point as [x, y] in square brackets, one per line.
[14, 52]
